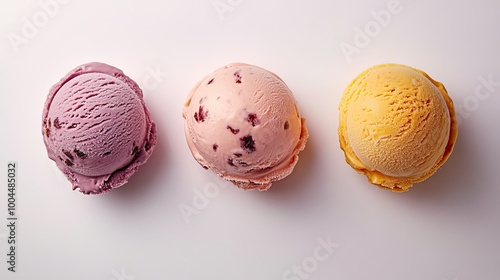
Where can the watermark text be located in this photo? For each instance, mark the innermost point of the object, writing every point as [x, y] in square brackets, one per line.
[310, 264]
[201, 199]
[121, 275]
[222, 7]
[31, 25]
[363, 36]
[485, 87]
[12, 217]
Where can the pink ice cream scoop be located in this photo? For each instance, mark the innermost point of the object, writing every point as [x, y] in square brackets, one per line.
[243, 123]
[97, 128]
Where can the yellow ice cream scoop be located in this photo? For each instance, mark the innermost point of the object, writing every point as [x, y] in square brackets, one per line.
[397, 125]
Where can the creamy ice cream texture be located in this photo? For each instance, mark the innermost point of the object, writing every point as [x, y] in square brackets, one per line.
[97, 128]
[397, 125]
[243, 123]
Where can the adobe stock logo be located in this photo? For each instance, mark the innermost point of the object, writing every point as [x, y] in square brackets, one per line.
[363, 37]
[31, 25]
[154, 77]
[202, 198]
[309, 265]
[121, 275]
[483, 91]
[223, 6]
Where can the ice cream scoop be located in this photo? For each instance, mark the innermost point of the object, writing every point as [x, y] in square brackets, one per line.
[97, 128]
[397, 125]
[243, 123]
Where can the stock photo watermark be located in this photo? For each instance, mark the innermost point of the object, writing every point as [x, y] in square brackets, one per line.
[324, 249]
[121, 275]
[363, 36]
[11, 222]
[222, 7]
[154, 77]
[485, 87]
[31, 25]
[201, 199]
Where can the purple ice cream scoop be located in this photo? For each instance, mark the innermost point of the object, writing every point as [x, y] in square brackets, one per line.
[97, 128]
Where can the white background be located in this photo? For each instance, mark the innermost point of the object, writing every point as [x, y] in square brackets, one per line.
[446, 228]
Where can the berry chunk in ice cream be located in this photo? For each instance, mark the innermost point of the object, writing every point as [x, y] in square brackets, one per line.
[243, 123]
[97, 128]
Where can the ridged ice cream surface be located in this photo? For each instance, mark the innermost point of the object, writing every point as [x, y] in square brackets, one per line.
[243, 122]
[397, 125]
[97, 128]
[95, 111]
